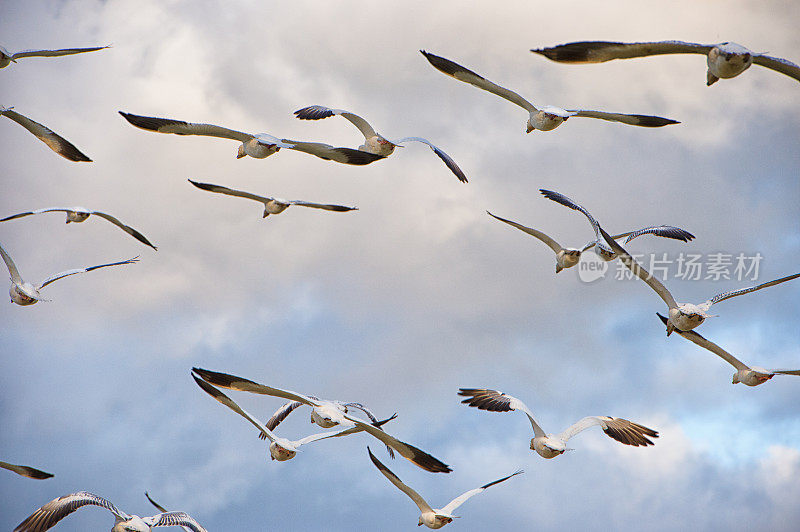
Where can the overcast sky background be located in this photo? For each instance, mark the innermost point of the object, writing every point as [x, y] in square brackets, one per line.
[416, 294]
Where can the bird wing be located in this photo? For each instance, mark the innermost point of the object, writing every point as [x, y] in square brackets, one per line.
[783, 66]
[58, 276]
[601, 51]
[497, 401]
[233, 382]
[448, 161]
[26, 471]
[54, 511]
[565, 201]
[181, 519]
[12, 268]
[461, 499]
[127, 228]
[417, 456]
[179, 127]
[38, 211]
[468, 76]
[552, 244]
[622, 430]
[230, 403]
[666, 231]
[640, 272]
[330, 153]
[53, 53]
[633, 120]
[733, 293]
[324, 206]
[219, 189]
[785, 371]
[282, 413]
[317, 112]
[708, 344]
[54, 141]
[394, 479]
[154, 503]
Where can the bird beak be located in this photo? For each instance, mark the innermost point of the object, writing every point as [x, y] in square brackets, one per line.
[265, 214]
[558, 268]
[240, 155]
[530, 128]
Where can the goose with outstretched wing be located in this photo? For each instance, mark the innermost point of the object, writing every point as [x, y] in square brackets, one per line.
[539, 118]
[374, 142]
[259, 146]
[552, 445]
[725, 60]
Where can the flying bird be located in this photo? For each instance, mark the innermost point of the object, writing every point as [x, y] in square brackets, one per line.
[271, 205]
[544, 118]
[552, 445]
[569, 257]
[54, 511]
[603, 251]
[259, 146]
[326, 414]
[280, 449]
[26, 471]
[54, 141]
[725, 60]
[682, 316]
[433, 517]
[24, 293]
[80, 214]
[6, 57]
[374, 142]
[749, 375]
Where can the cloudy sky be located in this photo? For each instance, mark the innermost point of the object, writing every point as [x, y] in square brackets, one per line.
[417, 293]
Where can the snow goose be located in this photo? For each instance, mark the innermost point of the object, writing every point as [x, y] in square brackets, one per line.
[749, 375]
[54, 511]
[54, 141]
[544, 118]
[682, 316]
[374, 142]
[26, 471]
[603, 251]
[552, 445]
[280, 449]
[6, 57]
[569, 257]
[271, 205]
[433, 517]
[23, 293]
[81, 214]
[259, 146]
[327, 414]
[725, 60]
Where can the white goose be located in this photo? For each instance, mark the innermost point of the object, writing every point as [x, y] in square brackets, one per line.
[81, 214]
[544, 118]
[683, 316]
[725, 60]
[271, 205]
[24, 293]
[54, 141]
[433, 517]
[259, 146]
[26, 471]
[6, 57]
[374, 142]
[326, 414]
[569, 257]
[552, 445]
[749, 375]
[54, 511]
[280, 449]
